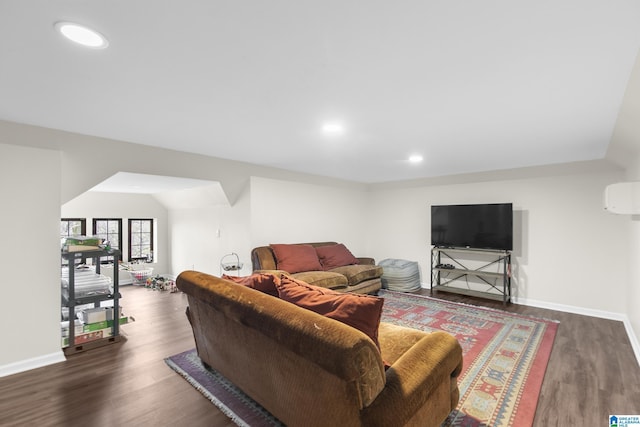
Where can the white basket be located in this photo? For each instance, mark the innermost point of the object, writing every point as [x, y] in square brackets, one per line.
[140, 276]
[230, 262]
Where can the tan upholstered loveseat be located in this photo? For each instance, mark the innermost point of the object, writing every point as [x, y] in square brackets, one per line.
[362, 276]
[311, 370]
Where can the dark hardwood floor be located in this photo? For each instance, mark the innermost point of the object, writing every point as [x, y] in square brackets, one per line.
[592, 373]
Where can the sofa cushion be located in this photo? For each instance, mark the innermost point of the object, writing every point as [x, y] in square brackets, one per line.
[362, 312]
[332, 256]
[359, 273]
[296, 258]
[324, 279]
[262, 282]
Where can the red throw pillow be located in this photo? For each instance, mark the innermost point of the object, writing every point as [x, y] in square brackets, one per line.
[362, 312]
[332, 256]
[296, 258]
[259, 281]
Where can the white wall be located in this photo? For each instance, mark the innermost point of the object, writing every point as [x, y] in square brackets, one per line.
[88, 160]
[29, 258]
[565, 254]
[267, 211]
[633, 291]
[633, 295]
[624, 149]
[200, 237]
[567, 249]
[293, 212]
[91, 205]
[43, 169]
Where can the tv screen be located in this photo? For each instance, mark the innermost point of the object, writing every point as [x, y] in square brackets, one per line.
[486, 226]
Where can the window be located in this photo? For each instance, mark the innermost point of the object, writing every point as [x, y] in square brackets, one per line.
[109, 229]
[141, 239]
[73, 227]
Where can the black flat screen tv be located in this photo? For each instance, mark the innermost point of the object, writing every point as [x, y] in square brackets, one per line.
[484, 226]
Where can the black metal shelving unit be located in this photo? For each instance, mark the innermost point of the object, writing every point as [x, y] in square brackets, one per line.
[73, 301]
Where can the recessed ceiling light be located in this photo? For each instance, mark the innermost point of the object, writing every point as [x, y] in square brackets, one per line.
[415, 158]
[82, 35]
[333, 128]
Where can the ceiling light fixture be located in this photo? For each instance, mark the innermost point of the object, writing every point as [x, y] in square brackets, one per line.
[333, 128]
[82, 35]
[415, 158]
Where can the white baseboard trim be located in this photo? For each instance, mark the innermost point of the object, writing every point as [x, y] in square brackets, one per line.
[569, 308]
[635, 344]
[28, 364]
[633, 339]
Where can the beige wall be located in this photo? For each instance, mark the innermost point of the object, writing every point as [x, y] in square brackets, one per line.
[564, 241]
[294, 212]
[563, 256]
[41, 170]
[268, 211]
[633, 289]
[88, 160]
[624, 150]
[29, 257]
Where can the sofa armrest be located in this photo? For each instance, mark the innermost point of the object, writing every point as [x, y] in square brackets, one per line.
[414, 377]
[366, 261]
[262, 258]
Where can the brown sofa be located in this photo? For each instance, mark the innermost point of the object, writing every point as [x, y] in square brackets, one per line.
[310, 370]
[363, 277]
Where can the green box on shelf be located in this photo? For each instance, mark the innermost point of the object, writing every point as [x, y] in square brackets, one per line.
[89, 327]
[84, 241]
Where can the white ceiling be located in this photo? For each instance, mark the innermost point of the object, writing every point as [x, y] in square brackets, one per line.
[173, 192]
[127, 182]
[471, 86]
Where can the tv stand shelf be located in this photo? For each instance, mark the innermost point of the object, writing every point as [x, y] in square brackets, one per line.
[499, 282]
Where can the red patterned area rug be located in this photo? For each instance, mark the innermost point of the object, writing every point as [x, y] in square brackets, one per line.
[505, 358]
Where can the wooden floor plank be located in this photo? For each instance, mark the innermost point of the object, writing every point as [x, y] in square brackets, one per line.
[592, 373]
